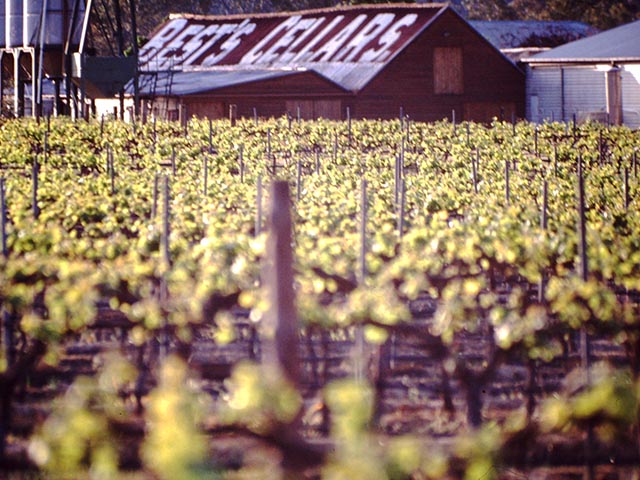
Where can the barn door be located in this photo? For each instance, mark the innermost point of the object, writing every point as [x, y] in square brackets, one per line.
[206, 109]
[313, 109]
[304, 106]
[329, 109]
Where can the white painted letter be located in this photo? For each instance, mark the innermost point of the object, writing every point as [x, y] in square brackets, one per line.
[305, 54]
[387, 40]
[331, 47]
[155, 43]
[368, 33]
[254, 55]
[245, 28]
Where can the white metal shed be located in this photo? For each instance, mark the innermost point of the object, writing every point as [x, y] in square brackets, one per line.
[593, 78]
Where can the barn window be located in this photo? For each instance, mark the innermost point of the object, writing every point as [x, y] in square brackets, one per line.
[447, 70]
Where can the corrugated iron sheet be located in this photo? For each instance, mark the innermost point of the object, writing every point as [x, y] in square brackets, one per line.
[348, 45]
[618, 44]
[531, 33]
[188, 83]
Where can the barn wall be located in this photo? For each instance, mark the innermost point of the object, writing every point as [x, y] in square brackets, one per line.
[311, 107]
[492, 86]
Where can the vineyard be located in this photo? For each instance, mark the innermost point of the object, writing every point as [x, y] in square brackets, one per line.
[291, 299]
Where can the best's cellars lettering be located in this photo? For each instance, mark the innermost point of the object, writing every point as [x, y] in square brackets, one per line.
[362, 38]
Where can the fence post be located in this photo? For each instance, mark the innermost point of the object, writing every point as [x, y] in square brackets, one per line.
[282, 319]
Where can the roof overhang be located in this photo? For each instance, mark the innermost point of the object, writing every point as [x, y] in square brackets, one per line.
[580, 61]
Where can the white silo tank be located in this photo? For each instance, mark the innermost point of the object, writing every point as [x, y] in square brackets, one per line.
[13, 23]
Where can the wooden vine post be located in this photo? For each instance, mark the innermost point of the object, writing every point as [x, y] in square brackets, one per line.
[205, 176]
[281, 351]
[281, 347]
[34, 192]
[507, 192]
[258, 225]
[349, 127]
[543, 225]
[233, 115]
[241, 162]
[211, 134]
[154, 200]
[3, 219]
[7, 321]
[298, 180]
[359, 360]
[166, 256]
[585, 346]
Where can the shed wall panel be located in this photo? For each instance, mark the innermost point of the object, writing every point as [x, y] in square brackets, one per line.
[544, 94]
[631, 95]
[585, 92]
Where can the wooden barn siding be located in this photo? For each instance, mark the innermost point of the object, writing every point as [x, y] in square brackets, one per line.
[268, 97]
[408, 81]
[209, 106]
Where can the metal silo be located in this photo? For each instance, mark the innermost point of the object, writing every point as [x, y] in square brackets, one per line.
[13, 23]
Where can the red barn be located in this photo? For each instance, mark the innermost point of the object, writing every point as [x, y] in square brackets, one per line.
[372, 61]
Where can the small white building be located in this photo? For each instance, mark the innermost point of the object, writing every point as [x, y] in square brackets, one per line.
[597, 78]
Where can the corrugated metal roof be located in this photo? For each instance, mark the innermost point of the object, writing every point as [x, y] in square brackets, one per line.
[188, 83]
[531, 33]
[616, 45]
[347, 45]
